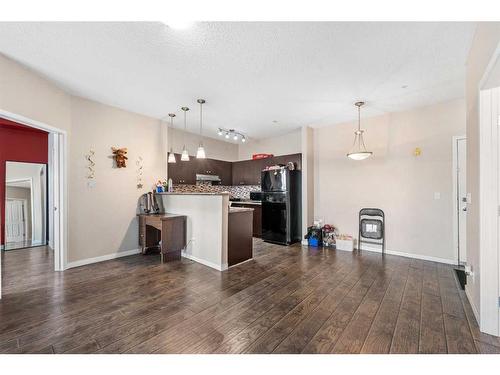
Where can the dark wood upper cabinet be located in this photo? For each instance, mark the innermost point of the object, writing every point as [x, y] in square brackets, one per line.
[223, 169]
[242, 172]
[248, 172]
[245, 172]
[184, 172]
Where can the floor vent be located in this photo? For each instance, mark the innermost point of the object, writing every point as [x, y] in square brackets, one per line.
[462, 278]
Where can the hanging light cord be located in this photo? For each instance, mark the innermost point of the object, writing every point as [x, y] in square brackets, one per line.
[359, 133]
[185, 126]
[171, 127]
[359, 118]
[201, 119]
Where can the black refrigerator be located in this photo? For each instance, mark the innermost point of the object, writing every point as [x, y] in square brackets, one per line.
[281, 206]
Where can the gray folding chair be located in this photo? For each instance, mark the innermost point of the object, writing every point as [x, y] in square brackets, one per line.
[371, 227]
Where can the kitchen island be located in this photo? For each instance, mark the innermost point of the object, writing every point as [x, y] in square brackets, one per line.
[217, 236]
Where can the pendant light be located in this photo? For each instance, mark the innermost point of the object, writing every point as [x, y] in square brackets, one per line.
[358, 151]
[171, 156]
[200, 154]
[185, 155]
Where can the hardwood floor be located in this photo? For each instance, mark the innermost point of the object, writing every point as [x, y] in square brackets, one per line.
[23, 244]
[287, 300]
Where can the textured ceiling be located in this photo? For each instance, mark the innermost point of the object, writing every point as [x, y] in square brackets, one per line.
[297, 73]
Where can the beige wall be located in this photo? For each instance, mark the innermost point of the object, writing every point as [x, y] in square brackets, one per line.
[393, 179]
[25, 93]
[289, 143]
[214, 148]
[484, 44]
[101, 220]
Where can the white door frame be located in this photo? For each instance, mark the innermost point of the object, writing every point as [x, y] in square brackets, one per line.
[454, 146]
[57, 169]
[489, 202]
[489, 206]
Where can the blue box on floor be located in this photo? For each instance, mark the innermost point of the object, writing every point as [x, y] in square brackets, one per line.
[313, 242]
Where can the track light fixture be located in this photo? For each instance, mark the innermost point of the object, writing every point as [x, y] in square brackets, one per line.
[231, 133]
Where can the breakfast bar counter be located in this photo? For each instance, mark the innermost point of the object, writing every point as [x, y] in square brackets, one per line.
[217, 236]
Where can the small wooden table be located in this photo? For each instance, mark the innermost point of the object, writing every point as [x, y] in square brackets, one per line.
[169, 228]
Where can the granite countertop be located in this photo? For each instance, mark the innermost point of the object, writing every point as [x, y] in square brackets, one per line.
[193, 193]
[247, 202]
[233, 210]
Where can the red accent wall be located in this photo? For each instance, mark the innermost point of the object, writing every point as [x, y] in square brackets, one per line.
[19, 143]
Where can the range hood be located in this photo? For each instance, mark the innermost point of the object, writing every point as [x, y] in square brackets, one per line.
[215, 180]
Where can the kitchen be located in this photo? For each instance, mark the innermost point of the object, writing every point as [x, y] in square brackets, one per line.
[234, 189]
[272, 214]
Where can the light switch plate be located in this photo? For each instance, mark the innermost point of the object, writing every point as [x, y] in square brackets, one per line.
[91, 184]
[437, 195]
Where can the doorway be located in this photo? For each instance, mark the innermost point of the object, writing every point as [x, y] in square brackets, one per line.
[460, 199]
[56, 184]
[26, 214]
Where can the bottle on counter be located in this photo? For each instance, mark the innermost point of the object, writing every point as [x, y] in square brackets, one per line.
[159, 187]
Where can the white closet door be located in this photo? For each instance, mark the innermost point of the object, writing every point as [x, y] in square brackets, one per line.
[14, 221]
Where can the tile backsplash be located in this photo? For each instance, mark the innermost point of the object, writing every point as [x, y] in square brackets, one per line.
[238, 191]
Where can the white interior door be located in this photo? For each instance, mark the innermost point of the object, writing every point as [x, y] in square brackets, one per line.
[462, 199]
[15, 220]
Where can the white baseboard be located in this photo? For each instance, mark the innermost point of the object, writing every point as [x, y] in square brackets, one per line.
[305, 242]
[102, 258]
[218, 267]
[237, 264]
[409, 255]
[471, 302]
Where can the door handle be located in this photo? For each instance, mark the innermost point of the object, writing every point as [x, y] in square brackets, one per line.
[464, 209]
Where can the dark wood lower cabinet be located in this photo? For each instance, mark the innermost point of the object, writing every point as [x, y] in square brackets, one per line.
[257, 217]
[239, 236]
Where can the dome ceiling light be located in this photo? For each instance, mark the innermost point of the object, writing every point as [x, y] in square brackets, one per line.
[358, 150]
